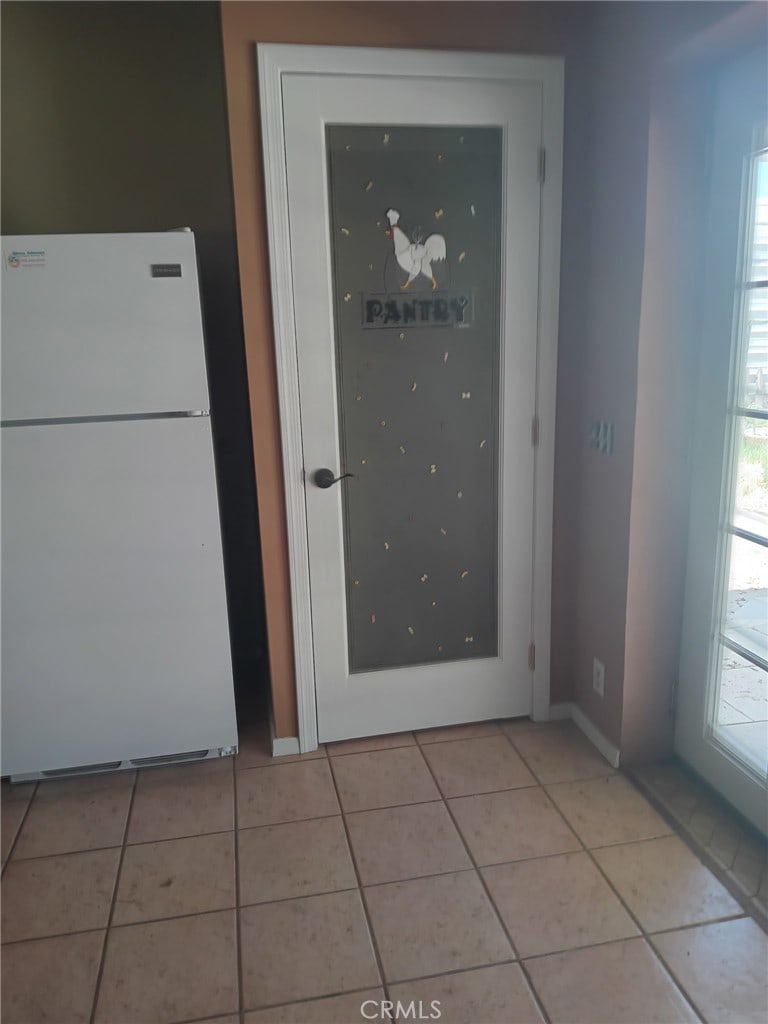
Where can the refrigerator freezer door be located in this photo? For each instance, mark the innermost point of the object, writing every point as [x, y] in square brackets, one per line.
[114, 619]
[89, 331]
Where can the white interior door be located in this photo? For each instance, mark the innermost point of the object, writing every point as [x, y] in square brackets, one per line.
[407, 242]
[722, 719]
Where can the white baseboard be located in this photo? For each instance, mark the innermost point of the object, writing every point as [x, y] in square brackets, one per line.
[282, 745]
[611, 753]
[570, 710]
[285, 745]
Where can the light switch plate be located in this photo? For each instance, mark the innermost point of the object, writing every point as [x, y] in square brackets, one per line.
[601, 436]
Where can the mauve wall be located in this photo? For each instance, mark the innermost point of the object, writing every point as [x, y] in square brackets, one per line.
[682, 100]
[637, 366]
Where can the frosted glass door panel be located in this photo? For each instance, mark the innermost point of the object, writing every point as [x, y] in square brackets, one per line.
[415, 220]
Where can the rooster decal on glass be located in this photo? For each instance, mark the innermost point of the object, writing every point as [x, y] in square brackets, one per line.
[417, 256]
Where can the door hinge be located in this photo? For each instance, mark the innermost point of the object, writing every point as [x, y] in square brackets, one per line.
[542, 165]
[532, 656]
[535, 431]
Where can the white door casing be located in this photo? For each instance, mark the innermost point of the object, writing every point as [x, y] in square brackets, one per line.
[302, 90]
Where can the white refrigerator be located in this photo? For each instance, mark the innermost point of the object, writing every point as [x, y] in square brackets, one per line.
[115, 640]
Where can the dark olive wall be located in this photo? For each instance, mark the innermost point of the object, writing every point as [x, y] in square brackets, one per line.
[114, 119]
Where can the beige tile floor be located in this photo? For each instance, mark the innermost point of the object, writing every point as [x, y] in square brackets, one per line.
[731, 847]
[501, 870]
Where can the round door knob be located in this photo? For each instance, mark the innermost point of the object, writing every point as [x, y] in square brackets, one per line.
[324, 478]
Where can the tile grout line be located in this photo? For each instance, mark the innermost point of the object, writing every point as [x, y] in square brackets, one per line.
[416, 741]
[457, 739]
[116, 846]
[675, 980]
[697, 924]
[642, 932]
[588, 851]
[538, 1002]
[296, 1002]
[646, 939]
[457, 970]
[726, 876]
[644, 935]
[18, 830]
[119, 927]
[611, 942]
[238, 922]
[636, 842]
[472, 860]
[508, 962]
[421, 743]
[321, 817]
[403, 981]
[431, 800]
[693, 848]
[281, 761]
[204, 1020]
[585, 849]
[537, 999]
[374, 750]
[375, 885]
[110, 916]
[606, 772]
[365, 886]
[360, 888]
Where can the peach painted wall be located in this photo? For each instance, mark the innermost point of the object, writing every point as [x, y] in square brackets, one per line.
[546, 28]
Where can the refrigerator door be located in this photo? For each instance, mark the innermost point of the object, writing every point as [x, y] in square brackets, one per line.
[114, 621]
[89, 331]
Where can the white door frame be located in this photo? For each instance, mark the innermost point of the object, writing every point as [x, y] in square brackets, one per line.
[740, 87]
[276, 61]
